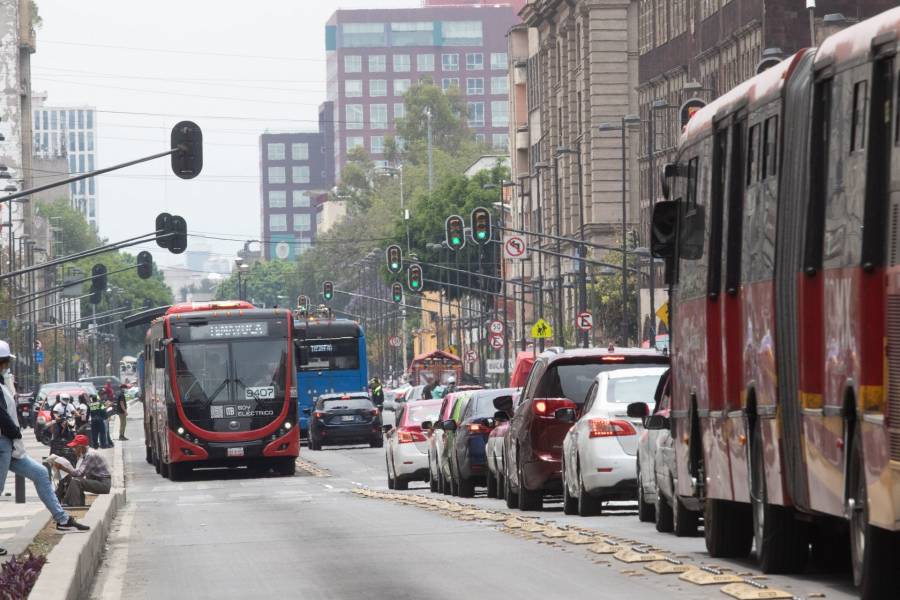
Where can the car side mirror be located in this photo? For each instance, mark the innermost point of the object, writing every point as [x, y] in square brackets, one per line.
[656, 422]
[566, 415]
[387, 428]
[449, 425]
[426, 425]
[638, 410]
[501, 416]
[437, 425]
[663, 229]
[307, 411]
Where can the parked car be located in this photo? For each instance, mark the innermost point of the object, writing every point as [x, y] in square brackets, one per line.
[406, 451]
[522, 368]
[467, 457]
[451, 408]
[436, 440]
[532, 450]
[344, 418]
[504, 407]
[599, 450]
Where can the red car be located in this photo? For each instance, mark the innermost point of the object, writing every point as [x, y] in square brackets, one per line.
[560, 379]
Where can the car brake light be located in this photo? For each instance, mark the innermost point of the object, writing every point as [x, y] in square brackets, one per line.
[478, 428]
[408, 435]
[546, 407]
[612, 358]
[610, 428]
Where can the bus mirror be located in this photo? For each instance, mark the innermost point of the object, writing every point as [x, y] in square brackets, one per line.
[693, 231]
[668, 172]
[159, 358]
[663, 229]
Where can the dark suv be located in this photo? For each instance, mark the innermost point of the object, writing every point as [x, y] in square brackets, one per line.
[559, 380]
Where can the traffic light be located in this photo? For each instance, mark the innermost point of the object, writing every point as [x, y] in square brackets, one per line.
[144, 264]
[98, 283]
[481, 225]
[456, 232]
[394, 258]
[397, 292]
[328, 291]
[163, 228]
[187, 161]
[414, 278]
[178, 241]
[303, 301]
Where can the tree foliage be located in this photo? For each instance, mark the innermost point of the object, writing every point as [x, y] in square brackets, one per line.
[270, 284]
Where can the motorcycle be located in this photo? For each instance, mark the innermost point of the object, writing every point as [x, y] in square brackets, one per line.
[25, 410]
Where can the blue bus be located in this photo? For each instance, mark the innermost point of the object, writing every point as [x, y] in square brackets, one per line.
[330, 357]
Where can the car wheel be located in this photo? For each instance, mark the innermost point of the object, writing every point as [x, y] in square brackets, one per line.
[390, 478]
[570, 503]
[664, 515]
[148, 455]
[588, 506]
[445, 485]
[529, 499]
[286, 466]
[511, 497]
[684, 522]
[164, 469]
[466, 488]
[501, 486]
[401, 483]
[646, 511]
[432, 480]
[314, 444]
[377, 442]
[491, 485]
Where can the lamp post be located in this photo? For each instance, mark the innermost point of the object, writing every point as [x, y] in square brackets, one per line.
[538, 166]
[628, 121]
[398, 170]
[243, 269]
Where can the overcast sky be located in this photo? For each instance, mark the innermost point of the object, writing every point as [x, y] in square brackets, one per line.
[146, 65]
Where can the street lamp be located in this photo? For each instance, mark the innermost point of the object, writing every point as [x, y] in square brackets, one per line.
[243, 269]
[538, 167]
[398, 170]
[627, 122]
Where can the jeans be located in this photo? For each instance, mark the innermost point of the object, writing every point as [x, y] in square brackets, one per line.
[98, 433]
[33, 470]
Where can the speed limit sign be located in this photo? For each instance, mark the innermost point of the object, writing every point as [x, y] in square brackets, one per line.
[496, 327]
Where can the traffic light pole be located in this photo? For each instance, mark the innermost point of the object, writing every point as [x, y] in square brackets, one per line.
[59, 288]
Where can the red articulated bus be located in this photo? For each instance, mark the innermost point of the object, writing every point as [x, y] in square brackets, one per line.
[782, 239]
[220, 388]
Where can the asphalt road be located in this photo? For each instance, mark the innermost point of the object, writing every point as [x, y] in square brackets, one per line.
[225, 534]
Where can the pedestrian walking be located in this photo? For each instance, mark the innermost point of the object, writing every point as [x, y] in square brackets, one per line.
[122, 411]
[14, 458]
[92, 474]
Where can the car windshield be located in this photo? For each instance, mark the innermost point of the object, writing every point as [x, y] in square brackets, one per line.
[346, 404]
[638, 388]
[417, 413]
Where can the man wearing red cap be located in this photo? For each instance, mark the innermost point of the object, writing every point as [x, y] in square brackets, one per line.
[91, 475]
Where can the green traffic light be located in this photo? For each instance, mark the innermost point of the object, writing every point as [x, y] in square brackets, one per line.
[455, 241]
[415, 284]
[394, 266]
[481, 235]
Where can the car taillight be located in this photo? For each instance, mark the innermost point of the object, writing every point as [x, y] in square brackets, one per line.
[610, 428]
[408, 435]
[478, 428]
[547, 407]
[612, 358]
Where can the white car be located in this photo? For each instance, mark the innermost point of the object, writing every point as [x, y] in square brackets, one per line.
[599, 450]
[406, 450]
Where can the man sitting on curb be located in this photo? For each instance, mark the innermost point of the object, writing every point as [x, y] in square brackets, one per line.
[91, 475]
[13, 457]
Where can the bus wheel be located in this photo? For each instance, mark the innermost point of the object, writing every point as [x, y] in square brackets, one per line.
[286, 466]
[164, 468]
[873, 550]
[178, 471]
[728, 528]
[782, 542]
[148, 454]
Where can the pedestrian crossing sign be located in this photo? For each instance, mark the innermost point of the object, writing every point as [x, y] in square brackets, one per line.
[541, 330]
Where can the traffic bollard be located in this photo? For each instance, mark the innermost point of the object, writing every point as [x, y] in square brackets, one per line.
[20, 489]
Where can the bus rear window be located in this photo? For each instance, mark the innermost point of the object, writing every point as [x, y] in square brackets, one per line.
[329, 355]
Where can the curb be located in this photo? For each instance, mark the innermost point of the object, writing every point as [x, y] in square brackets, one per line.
[72, 565]
[20, 542]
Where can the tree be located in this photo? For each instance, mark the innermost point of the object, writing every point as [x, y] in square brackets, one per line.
[76, 234]
[448, 119]
[272, 283]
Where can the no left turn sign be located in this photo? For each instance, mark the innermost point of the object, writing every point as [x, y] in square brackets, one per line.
[584, 321]
[515, 247]
[496, 342]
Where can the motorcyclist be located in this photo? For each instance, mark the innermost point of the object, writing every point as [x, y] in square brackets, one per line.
[451, 385]
[63, 407]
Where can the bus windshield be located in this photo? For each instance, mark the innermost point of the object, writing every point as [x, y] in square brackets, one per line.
[329, 354]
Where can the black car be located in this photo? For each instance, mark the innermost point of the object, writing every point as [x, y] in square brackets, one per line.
[344, 419]
[468, 456]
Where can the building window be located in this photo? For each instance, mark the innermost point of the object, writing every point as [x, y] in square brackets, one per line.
[354, 116]
[475, 86]
[277, 199]
[90, 118]
[53, 119]
[678, 17]
[90, 140]
[462, 33]
[300, 151]
[499, 61]
[37, 120]
[401, 63]
[500, 141]
[412, 34]
[354, 142]
[353, 64]
[361, 35]
[377, 63]
[300, 199]
[425, 63]
[353, 88]
[300, 174]
[399, 110]
[448, 82]
[277, 175]
[662, 21]
[480, 138]
[376, 144]
[500, 85]
[278, 222]
[475, 61]
[401, 86]
[500, 113]
[378, 88]
[450, 62]
[71, 119]
[378, 118]
[80, 120]
[476, 114]
[81, 141]
[301, 222]
[645, 26]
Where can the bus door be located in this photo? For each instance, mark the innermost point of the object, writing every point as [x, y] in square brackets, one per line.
[893, 264]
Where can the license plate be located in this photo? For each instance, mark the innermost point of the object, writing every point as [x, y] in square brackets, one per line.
[235, 452]
[348, 418]
[25, 413]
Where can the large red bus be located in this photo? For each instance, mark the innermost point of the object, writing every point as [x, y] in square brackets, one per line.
[782, 239]
[220, 389]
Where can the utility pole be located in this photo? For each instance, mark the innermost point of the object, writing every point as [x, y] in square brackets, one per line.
[560, 324]
[430, 148]
[651, 187]
[811, 7]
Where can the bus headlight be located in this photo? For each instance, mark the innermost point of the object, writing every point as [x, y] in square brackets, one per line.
[180, 430]
[287, 425]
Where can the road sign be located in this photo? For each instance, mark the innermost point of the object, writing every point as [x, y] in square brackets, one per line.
[282, 250]
[39, 357]
[494, 366]
[541, 330]
[584, 321]
[471, 356]
[515, 247]
[496, 327]
[663, 313]
[496, 342]
[395, 341]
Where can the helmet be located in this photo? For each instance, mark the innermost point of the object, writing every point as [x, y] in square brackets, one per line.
[451, 380]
